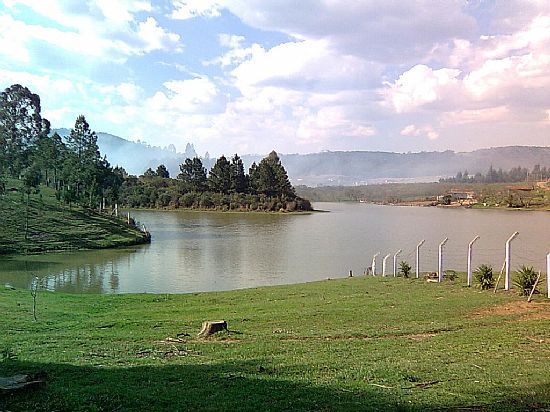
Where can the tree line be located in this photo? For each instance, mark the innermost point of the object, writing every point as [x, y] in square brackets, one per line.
[516, 174]
[76, 170]
[31, 153]
[226, 186]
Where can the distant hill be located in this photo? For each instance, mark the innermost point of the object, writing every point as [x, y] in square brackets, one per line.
[350, 168]
[136, 157]
[336, 168]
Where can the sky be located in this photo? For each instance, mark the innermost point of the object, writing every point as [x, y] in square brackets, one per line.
[250, 76]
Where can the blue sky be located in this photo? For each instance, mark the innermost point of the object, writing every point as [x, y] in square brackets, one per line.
[249, 76]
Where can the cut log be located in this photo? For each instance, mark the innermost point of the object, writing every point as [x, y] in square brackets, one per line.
[211, 327]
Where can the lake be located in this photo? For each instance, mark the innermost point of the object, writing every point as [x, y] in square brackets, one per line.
[207, 251]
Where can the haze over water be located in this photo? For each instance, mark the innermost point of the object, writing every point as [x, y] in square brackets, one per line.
[197, 251]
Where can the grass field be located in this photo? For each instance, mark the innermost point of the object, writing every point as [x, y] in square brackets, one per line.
[53, 225]
[349, 344]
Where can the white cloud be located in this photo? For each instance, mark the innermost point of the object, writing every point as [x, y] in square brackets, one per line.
[418, 86]
[491, 114]
[188, 9]
[102, 29]
[155, 37]
[413, 130]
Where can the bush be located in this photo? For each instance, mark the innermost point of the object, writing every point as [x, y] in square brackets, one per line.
[484, 277]
[451, 274]
[404, 269]
[525, 279]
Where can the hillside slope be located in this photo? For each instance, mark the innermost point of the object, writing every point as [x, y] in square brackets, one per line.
[53, 226]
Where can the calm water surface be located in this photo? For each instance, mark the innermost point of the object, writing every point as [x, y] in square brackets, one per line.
[195, 251]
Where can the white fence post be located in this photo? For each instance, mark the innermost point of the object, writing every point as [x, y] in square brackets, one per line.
[374, 264]
[507, 276]
[395, 262]
[548, 274]
[384, 264]
[418, 258]
[440, 271]
[470, 260]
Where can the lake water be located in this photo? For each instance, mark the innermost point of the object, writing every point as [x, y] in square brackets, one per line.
[196, 251]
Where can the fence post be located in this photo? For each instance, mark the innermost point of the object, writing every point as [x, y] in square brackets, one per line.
[507, 275]
[418, 258]
[395, 262]
[440, 271]
[548, 274]
[470, 260]
[384, 264]
[374, 264]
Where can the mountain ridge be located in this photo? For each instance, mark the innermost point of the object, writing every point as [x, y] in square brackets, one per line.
[345, 168]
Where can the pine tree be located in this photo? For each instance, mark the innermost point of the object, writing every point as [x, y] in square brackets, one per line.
[239, 180]
[193, 174]
[219, 179]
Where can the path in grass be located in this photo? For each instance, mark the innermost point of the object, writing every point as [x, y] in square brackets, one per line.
[352, 344]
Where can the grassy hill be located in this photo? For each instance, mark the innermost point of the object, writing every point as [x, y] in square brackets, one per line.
[54, 226]
[350, 344]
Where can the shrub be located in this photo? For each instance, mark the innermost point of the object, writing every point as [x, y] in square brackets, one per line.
[525, 279]
[451, 275]
[484, 277]
[404, 269]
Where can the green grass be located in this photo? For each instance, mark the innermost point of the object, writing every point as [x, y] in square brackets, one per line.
[54, 226]
[351, 344]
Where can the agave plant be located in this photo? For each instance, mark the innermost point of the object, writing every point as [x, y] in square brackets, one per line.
[525, 279]
[484, 277]
[404, 269]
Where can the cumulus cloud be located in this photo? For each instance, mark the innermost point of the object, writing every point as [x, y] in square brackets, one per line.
[413, 130]
[102, 29]
[187, 9]
[418, 86]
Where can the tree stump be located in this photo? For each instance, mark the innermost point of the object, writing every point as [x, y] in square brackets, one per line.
[211, 327]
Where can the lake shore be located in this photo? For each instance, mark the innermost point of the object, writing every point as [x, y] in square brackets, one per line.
[349, 344]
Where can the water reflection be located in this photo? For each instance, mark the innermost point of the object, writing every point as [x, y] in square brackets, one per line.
[193, 251]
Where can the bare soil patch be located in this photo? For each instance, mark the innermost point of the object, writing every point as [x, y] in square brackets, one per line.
[523, 309]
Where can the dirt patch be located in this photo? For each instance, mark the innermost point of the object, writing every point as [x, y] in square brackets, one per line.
[522, 309]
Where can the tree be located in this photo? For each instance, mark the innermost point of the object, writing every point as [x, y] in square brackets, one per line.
[163, 172]
[20, 126]
[82, 142]
[149, 173]
[31, 180]
[193, 175]
[219, 179]
[239, 180]
[270, 178]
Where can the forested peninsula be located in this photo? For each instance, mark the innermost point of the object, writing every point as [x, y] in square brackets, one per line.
[61, 193]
